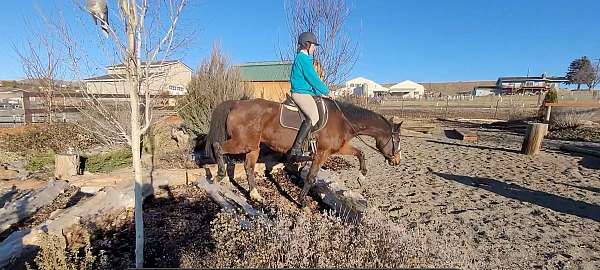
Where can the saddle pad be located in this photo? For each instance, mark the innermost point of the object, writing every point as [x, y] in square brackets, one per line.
[291, 117]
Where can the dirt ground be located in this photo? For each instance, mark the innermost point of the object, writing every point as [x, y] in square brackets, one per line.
[478, 205]
[498, 207]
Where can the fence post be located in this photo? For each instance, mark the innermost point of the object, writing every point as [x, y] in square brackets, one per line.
[26, 108]
[447, 101]
[548, 110]
[496, 112]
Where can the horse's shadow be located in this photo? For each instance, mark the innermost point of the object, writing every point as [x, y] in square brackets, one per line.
[513, 191]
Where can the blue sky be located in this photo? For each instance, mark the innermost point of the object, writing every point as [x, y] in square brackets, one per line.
[416, 40]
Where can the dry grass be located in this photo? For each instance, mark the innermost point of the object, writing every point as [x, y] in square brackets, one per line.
[56, 253]
[186, 230]
[572, 118]
[36, 138]
[322, 240]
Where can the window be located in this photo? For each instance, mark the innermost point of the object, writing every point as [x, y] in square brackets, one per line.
[176, 88]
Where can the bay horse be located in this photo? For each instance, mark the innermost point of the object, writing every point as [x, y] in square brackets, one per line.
[240, 126]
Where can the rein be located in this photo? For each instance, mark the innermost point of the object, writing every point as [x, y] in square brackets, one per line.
[357, 134]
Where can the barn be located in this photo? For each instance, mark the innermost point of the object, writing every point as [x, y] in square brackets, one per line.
[407, 89]
[268, 79]
[361, 86]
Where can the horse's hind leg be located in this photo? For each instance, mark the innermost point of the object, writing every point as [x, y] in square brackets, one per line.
[251, 158]
[218, 150]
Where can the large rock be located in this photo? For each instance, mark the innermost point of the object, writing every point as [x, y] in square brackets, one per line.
[109, 199]
[22, 208]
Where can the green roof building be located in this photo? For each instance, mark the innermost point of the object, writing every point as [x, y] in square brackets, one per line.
[268, 80]
[267, 71]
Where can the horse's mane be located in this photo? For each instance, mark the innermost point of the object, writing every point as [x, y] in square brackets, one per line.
[356, 113]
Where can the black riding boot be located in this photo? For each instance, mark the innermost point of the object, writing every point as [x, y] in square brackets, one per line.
[296, 154]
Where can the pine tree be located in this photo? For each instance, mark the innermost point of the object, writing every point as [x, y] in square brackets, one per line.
[581, 71]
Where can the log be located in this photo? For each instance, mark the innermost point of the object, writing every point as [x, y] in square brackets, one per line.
[25, 206]
[534, 136]
[422, 129]
[466, 135]
[581, 150]
[226, 198]
[347, 204]
[66, 165]
[20, 243]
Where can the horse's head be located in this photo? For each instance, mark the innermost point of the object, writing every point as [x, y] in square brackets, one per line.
[389, 145]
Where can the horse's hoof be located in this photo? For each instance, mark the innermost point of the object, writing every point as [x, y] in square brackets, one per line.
[255, 196]
[221, 179]
[363, 173]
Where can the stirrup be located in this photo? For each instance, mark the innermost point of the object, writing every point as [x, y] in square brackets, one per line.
[299, 156]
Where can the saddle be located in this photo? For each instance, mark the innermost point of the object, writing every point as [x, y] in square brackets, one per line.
[291, 117]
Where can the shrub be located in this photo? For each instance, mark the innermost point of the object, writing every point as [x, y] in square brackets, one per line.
[304, 240]
[214, 82]
[571, 118]
[551, 96]
[106, 162]
[55, 137]
[56, 254]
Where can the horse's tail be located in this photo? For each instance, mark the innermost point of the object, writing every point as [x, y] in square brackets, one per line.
[218, 127]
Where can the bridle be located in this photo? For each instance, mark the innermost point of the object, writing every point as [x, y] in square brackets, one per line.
[394, 133]
[391, 139]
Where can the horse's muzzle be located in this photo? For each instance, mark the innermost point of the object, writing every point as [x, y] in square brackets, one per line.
[395, 159]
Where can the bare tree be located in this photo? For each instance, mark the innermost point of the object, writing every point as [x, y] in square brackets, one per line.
[327, 20]
[140, 36]
[214, 82]
[596, 80]
[40, 61]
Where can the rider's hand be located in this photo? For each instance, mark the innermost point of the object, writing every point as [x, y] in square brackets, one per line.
[331, 95]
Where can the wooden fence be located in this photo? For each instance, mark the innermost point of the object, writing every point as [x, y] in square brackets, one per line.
[30, 107]
[496, 107]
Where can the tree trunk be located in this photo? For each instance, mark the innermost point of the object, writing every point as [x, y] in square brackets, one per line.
[133, 78]
[533, 138]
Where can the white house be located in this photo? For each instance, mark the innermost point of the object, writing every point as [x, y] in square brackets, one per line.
[407, 89]
[481, 91]
[360, 86]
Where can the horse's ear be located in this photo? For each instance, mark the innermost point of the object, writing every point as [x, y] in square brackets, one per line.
[397, 126]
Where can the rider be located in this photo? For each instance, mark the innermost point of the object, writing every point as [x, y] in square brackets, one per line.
[305, 84]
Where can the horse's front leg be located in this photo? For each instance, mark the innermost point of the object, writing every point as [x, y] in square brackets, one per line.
[251, 158]
[316, 164]
[350, 150]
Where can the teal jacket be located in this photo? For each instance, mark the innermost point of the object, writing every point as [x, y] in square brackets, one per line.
[304, 79]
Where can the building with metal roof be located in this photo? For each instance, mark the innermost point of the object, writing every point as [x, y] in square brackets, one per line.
[518, 85]
[268, 79]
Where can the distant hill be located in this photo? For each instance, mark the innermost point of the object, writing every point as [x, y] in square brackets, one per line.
[451, 88]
